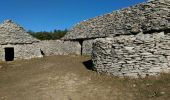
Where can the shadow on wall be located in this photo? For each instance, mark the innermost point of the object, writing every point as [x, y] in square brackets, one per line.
[89, 65]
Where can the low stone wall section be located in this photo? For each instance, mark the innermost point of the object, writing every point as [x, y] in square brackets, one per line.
[87, 47]
[133, 55]
[58, 47]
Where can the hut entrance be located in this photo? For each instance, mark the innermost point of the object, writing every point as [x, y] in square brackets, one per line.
[81, 43]
[9, 54]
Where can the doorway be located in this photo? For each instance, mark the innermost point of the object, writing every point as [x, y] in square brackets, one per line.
[9, 54]
[81, 43]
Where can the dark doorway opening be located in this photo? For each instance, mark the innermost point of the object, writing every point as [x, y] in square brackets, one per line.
[42, 52]
[81, 43]
[89, 65]
[9, 54]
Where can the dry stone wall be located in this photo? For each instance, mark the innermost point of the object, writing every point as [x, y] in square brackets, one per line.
[133, 55]
[21, 51]
[87, 47]
[139, 43]
[144, 17]
[16, 43]
[58, 47]
[40, 49]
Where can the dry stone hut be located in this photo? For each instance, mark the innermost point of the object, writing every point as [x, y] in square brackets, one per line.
[15, 43]
[146, 17]
[138, 43]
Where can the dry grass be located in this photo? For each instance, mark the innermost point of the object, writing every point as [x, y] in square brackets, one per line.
[66, 78]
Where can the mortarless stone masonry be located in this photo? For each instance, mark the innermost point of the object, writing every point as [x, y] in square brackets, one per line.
[145, 17]
[138, 43]
[142, 45]
[58, 47]
[26, 47]
[14, 36]
[133, 55]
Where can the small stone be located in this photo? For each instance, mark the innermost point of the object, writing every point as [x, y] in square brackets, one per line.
[168, 58]
[121, 62]
[148, 84]
[162, 93]
[134, 85]
[146, 54]
[130, 49]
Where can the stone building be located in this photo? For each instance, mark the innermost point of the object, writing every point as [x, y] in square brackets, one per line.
[135, 41]
[15, 43]
[146, 17]
[140, 45]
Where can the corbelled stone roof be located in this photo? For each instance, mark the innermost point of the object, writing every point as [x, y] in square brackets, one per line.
[153, 15]
[11, 33]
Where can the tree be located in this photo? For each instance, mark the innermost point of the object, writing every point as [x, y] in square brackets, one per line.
[53, 35]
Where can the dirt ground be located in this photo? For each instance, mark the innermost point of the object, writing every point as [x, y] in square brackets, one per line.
[69, 78]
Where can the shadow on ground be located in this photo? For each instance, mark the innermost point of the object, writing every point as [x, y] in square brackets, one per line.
[89, 65]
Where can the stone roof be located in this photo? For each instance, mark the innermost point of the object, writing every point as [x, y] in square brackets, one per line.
[153, 15]
[11, 33]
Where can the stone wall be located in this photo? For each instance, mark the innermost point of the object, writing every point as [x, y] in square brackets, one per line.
[87, 47]
[43, 48]
[133, 55]
[21, 51]
[144, 17]
[58, 47]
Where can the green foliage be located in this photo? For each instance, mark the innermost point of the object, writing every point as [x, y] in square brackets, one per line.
[53, 35]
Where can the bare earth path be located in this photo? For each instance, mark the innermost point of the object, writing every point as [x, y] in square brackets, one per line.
[67, 78]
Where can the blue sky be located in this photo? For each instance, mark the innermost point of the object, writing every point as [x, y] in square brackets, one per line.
[40, 15]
